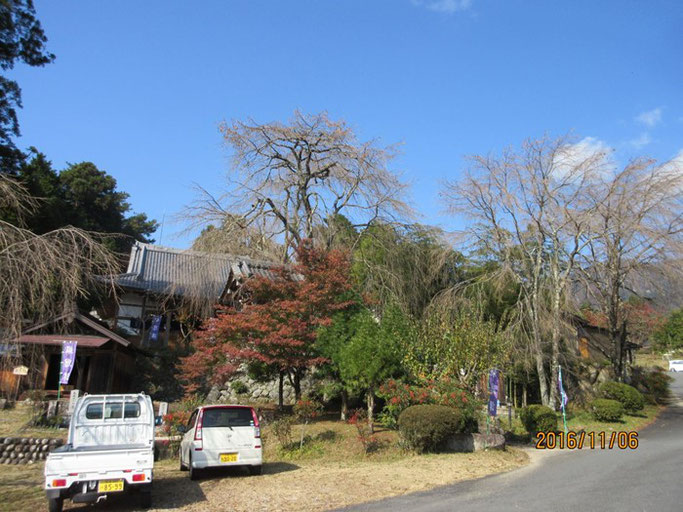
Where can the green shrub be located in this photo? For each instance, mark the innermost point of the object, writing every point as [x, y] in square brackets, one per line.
[398, 396]
[426, 428]
[538, 418]
[604, 409]
[653, 383]
[657, 383]
[628, 396]
[239, 387]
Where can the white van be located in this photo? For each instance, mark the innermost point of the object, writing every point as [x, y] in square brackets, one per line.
[220, 436]
[676, 366]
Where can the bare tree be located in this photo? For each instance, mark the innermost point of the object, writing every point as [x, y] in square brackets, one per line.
[235, 237]
[286, 179]
[530, 216]
[636, 235]
[42, 276]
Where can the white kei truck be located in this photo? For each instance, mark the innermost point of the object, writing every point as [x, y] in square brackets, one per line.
[110, 449]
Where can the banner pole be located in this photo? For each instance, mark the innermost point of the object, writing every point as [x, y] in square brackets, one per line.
[59, 380]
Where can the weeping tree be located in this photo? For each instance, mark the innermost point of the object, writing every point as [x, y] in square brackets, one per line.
[42, 276]
[233, 236]
[635, 243]
[531, 214]
[287, 179]
[406, 265]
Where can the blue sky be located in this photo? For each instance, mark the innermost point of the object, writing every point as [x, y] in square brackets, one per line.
[139, 88]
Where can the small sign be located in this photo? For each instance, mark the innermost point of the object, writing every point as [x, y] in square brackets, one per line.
[20, 370]
[72, 400]
[163, 408]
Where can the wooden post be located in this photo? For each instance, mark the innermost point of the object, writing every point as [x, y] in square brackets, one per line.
[112, 369]
[168, 327]
[142, 320]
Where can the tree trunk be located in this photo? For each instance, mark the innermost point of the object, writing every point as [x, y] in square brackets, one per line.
[542, 379]
[524, 401]
[297, 386]
[344, 404]
[555, 348]
[370, 396]
[281, 391]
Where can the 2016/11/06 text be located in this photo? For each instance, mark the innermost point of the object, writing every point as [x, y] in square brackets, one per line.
[579, 440]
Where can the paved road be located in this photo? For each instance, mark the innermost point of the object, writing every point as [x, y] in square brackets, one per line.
[649, 478]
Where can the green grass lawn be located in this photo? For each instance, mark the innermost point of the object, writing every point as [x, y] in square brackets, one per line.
[583, 420]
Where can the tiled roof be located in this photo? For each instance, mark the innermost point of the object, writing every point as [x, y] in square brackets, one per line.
[181, 272]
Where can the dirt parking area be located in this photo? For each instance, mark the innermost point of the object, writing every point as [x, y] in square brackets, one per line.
[313, 486]
[330, 471]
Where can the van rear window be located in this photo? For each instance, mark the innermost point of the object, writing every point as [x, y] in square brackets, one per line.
[227, 417]
[112, 410]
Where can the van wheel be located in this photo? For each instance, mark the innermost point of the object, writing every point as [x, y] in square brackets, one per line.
[255, 470]
[55, 504]
[183, 467]
[194, 473]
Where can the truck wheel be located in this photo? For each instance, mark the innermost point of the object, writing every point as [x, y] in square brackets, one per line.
[255, 470]
[146, 499]
[55, 504]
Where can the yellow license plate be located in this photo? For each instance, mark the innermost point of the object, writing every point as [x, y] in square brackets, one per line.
[228, 457]
[110, 486]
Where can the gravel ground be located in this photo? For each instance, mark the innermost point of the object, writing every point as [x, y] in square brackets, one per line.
[315, 486]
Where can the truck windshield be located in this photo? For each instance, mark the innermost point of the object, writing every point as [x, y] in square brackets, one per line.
[227, 417]
[112, 410]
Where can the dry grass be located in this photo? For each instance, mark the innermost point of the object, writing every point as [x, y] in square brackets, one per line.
[14, 423]
[331, 471]
[651, 360]
[21, 488]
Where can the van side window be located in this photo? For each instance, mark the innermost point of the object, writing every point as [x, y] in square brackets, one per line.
[191, 421]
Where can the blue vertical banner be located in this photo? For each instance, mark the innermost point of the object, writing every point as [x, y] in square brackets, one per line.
[154, 330]
[494, 377]
[68, 360]
[563, 398]
[563, 395]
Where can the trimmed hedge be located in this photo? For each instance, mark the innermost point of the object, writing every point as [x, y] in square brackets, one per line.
[538, 418]
[604, 409]
[628, 396]
[426, 428]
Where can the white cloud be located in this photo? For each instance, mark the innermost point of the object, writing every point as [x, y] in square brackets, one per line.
[589, 155]
[641, 141]
[447, 6]
[674, 168]
[651, 118]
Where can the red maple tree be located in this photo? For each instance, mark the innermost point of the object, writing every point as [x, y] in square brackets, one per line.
[278, 325]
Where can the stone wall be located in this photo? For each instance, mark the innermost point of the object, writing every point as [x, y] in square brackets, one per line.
[249, 390]
[475, 442]
[26, 450]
